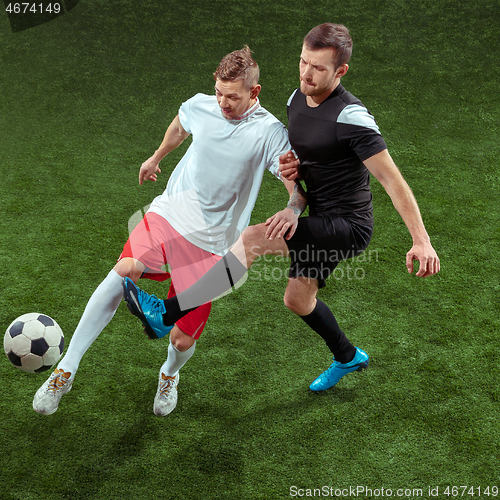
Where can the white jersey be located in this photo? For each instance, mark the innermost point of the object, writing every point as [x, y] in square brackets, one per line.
[212, 191]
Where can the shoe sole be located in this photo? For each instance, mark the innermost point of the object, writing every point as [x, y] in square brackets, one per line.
[132, 301]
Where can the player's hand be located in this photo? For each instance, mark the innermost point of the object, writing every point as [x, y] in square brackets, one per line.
[281, 224]
[289, 166]
[427, 257]
[148, 171]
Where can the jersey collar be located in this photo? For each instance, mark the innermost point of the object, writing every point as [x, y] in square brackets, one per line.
[247, 113]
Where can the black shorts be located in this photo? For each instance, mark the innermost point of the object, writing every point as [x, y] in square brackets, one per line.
[321, 242]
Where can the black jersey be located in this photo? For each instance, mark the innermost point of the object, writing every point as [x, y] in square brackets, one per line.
[332, 141]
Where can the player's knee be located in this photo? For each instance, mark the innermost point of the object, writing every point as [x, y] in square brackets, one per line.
[127, 268]
[249, 234]
[298, 304]
[180, 340]
[292, 303]
[252, 237]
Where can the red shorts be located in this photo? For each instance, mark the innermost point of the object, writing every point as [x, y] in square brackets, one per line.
[166, 254]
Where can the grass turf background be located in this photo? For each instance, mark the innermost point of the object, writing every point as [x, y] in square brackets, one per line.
[87, 97]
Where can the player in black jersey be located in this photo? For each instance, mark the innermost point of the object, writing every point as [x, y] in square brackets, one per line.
[338, 144]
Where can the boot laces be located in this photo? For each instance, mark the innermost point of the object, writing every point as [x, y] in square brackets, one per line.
[152, 302]
[58, 382]
[166, 386]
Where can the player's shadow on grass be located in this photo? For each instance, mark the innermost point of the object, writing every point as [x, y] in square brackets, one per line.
[221, 436]
[336, 395]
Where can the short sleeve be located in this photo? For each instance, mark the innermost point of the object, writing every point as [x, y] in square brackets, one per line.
[185, 112]
[358, 127]
[278, 145]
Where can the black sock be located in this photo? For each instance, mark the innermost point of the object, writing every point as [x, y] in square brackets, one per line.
[174, 312]
[323, 322]
[218, 280]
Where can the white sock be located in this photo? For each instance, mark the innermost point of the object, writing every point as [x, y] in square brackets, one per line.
[176, 360]
[99, 311]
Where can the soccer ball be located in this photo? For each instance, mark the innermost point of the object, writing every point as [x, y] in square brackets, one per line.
[33, 342]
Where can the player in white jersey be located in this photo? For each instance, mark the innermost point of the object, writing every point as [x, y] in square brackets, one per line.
[206, 205]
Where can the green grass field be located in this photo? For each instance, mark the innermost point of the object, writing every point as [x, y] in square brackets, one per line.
[87, 97]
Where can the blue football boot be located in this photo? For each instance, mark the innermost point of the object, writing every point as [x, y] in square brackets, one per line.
[148, 308]
[337, 370]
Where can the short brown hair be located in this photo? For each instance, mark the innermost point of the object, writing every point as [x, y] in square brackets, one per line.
[331, 36]
[239, 65]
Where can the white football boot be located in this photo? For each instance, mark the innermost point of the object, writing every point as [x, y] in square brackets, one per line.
[166, 395]
[47, 398]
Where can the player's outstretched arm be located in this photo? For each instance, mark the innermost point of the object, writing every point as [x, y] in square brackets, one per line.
[387, 173]
[174, 136]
